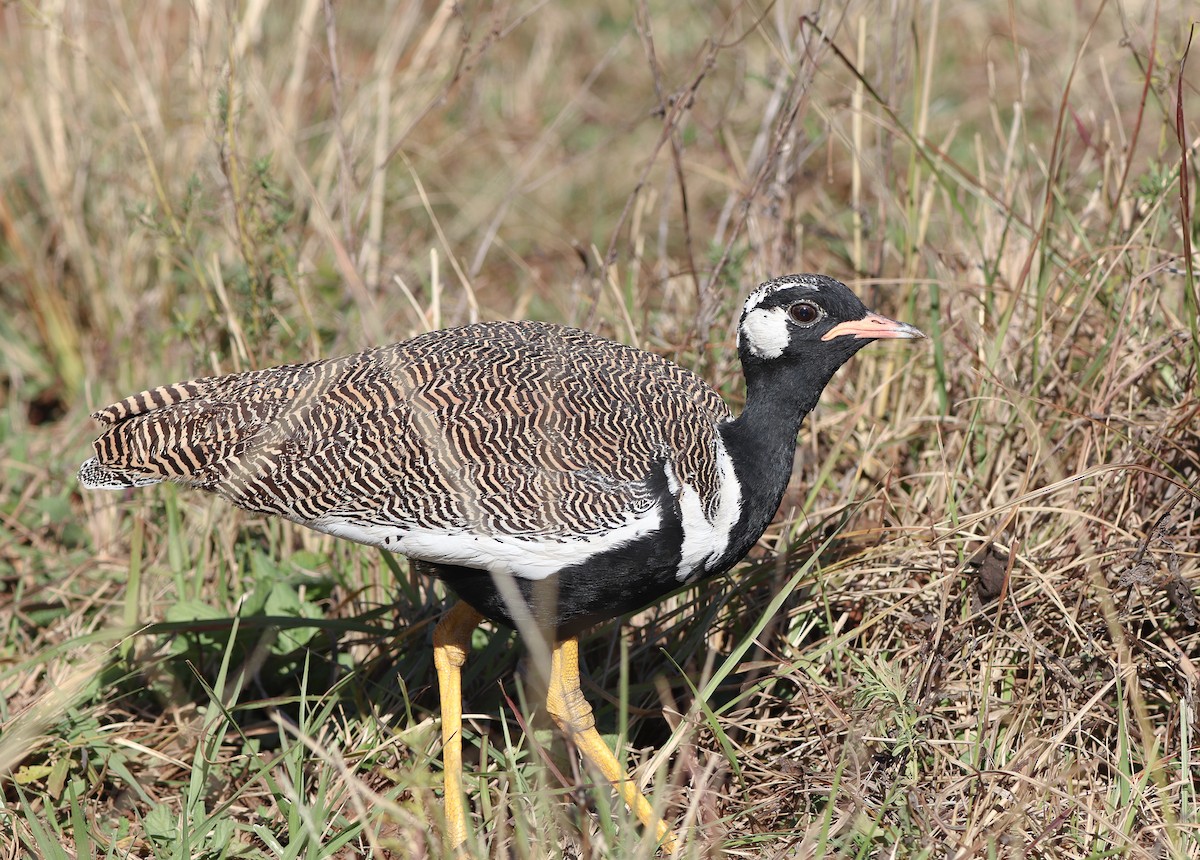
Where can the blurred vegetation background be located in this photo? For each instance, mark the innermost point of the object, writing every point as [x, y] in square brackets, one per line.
[972, 630]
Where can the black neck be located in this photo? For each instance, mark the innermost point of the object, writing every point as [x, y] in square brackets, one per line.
[762, 444]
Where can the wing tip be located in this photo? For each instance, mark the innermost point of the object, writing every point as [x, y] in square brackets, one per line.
[150, 400]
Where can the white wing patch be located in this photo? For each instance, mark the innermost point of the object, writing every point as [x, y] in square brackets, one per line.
[529, 557]
[703, 539]
[766, 332]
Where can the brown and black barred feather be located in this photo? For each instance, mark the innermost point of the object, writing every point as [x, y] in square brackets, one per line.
[502, 428]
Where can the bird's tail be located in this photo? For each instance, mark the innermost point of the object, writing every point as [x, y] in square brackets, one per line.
[94, 475]
[139, 440]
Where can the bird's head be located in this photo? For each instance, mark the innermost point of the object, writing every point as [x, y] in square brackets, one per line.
[812, 319]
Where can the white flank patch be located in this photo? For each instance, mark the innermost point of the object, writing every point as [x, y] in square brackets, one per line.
[705, 540]
[765, 331]
[533, 557]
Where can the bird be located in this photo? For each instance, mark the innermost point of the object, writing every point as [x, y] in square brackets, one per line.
[551, 478]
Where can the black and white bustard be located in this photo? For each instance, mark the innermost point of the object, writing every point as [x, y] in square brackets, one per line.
[520, 459]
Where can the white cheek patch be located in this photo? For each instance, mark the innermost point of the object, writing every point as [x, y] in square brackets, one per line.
[765, 332]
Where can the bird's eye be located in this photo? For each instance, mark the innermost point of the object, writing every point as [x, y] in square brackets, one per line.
[805, 313]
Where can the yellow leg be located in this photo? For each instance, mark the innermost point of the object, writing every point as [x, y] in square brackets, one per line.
[566, 704]
[451, 644]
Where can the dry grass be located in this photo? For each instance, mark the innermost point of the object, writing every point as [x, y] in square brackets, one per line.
[971, 631]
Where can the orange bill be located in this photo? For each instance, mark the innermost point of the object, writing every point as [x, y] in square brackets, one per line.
[873, 326]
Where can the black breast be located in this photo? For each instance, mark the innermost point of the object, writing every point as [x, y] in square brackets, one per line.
[610, 583]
